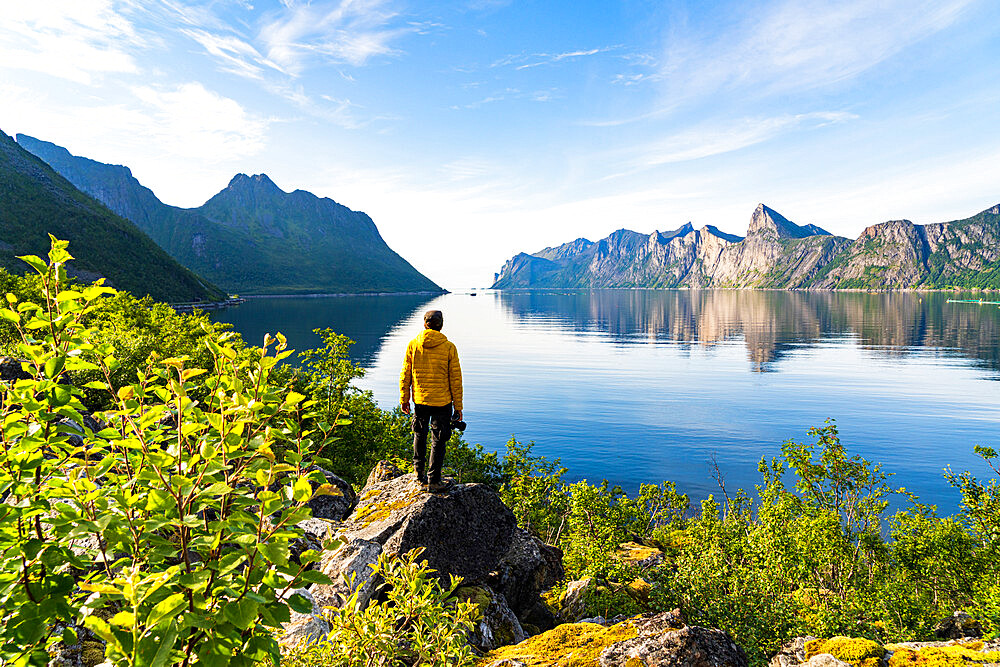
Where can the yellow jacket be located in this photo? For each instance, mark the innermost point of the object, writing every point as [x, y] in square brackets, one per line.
[431, 368]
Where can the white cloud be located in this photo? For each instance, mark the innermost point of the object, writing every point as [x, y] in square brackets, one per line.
[194, 122]
[68, 39]
[236, 55]
[345, 31]
[527, 61]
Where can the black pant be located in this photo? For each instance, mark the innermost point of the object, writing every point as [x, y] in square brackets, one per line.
[437, 418]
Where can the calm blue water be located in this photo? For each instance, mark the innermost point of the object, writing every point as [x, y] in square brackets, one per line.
[644, 386]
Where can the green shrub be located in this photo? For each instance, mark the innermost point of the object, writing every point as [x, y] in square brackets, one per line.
[417, 624]
[166, 530]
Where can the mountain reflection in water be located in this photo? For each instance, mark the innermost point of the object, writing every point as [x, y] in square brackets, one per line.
[773, 322]
[644, 386]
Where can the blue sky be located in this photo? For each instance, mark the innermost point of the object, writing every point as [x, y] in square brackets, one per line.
[473, 130]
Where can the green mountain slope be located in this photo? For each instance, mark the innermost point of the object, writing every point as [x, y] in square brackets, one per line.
[251, 238]
[35, 201]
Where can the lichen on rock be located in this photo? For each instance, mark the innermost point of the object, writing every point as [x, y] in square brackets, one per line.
[857, 651]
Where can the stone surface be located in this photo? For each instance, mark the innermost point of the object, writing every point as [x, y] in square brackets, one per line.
[336, 504]
[350, 569]
[11, 370]
[529, 568]
[957, 626]
[572, 606]
[791, 653]
[497, 626]
[304, 628]
[639, 555]
[464, 531]
[664, 639]
[654, 639]
[825, 660]
[383, 472]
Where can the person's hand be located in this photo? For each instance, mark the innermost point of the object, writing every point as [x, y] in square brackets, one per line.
[458, 415]
[406, 407]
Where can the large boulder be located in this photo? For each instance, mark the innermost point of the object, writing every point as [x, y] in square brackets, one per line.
[529, 568]
[654, 639]
[958, 626]
[497, 625]
[464, 531]
[791, 653]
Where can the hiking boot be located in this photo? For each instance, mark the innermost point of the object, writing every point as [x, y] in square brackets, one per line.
[438, 487]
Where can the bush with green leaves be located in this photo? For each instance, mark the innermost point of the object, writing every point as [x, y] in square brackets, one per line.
[162, 524]
[418, 623]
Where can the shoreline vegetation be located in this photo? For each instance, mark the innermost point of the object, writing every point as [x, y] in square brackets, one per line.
[158, 472]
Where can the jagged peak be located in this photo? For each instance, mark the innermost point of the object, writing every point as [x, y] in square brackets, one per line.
[255, 182]
[767, 221]
[683, 230]
[715, 231]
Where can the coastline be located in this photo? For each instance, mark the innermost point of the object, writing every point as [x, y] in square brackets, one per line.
[324, 295]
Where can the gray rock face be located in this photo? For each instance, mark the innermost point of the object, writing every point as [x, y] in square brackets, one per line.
[464, 531]
[337, 503]
[497, 626]
[776, 253]
[529, 568]
[665, 641]
[958, 626]
[791, 653]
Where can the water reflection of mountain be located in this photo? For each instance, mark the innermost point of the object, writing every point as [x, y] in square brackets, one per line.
[367, 320]
[773, 322]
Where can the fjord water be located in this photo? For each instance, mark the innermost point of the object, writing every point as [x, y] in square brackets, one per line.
[644, 386]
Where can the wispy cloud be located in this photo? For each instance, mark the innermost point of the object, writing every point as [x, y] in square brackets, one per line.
[800, 45]
[345, 31]
[235, 55]
[69, 39]
[529, 60]
[705, 141]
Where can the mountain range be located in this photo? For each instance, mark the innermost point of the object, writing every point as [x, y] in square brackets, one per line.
[35, 201]
[252, 237]
[775, 253]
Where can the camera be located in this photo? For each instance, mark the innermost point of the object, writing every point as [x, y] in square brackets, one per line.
[457, 424]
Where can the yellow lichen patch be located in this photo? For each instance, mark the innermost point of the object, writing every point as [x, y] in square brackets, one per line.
[856, 651]
[569, 645]
[369, 514]
[634, 553]
[639, 590]
[944, 656]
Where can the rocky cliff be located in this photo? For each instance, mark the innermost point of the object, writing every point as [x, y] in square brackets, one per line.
[252, 237]
[776, 253]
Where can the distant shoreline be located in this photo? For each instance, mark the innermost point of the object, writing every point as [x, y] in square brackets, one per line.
[887, 290]
[323, 295]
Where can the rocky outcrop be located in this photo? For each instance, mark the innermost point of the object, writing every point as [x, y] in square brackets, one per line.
[776, 253]
[529, 568]
[497, 625]
[654, 639]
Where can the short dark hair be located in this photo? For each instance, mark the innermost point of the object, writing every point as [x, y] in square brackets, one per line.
[434, 319]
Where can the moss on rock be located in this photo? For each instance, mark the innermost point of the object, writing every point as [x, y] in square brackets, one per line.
[857, 651]
[569, 645]
[970, 653]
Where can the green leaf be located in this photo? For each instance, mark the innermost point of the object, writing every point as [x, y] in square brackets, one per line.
[241, 613]
[36, 263]
[168, 607]
[300, 603]
[302, 490]
[166, 647]
[275, 552]
[54, 366]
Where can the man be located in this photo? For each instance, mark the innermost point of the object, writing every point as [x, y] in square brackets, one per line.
[431, 370]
